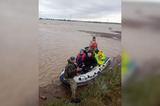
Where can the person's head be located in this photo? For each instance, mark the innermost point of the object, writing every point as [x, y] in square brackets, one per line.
[73, 59]
[96, 51]
[87, 49]
[89, 54]
[81, 51]
[94, 38]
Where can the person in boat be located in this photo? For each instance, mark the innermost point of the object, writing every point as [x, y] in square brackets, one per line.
[80, 59]
[86, 49]
[90, 62]
[100, 57]
[69, 74]
[93, 45]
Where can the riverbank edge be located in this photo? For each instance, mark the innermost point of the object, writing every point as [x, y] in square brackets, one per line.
[104, 90]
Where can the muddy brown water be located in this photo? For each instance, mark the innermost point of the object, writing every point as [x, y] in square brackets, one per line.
[59, 40]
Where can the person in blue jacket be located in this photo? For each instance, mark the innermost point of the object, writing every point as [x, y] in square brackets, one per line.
[80, 58]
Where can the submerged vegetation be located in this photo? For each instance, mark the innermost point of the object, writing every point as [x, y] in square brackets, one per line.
[104, 90]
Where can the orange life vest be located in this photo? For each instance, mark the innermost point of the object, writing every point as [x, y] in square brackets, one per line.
[94, 45]
[83, 56]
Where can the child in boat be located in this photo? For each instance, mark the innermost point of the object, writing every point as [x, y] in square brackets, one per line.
[80, 59]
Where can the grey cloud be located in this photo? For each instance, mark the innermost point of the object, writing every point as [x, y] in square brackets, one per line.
[78, 8]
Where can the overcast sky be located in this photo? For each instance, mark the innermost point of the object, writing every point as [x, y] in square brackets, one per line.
[87, 10]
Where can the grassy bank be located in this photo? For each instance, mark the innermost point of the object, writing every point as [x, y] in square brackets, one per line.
[144, 92]
[104, 90]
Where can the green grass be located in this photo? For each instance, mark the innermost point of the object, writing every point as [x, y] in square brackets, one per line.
[145, 92]
[104, 90]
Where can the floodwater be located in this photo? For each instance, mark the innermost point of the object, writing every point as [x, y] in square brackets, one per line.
[61, 39]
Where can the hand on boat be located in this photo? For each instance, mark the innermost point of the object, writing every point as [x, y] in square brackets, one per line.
[79, 69]
[91, 67]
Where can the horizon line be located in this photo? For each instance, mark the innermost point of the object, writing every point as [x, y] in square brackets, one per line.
[78, 20]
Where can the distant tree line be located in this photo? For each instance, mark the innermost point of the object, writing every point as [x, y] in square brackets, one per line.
[78, 21]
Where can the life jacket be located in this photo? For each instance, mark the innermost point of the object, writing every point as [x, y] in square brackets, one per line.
[94, 45]
[100, 55]
[83, 56]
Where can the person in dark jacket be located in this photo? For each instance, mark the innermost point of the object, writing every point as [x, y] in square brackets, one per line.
[90, 62]
[80, 59]
[86, 50]
[69, 74]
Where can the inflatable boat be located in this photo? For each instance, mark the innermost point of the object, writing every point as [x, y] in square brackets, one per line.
[85, 78]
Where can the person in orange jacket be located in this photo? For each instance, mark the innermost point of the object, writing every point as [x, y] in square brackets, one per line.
[93, 45]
